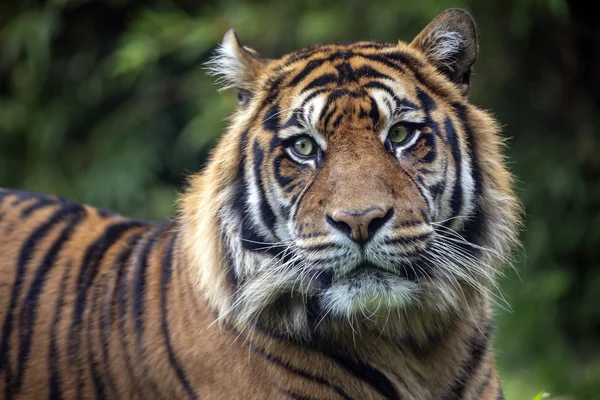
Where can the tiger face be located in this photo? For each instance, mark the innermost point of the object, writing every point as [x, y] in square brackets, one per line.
[362, 195]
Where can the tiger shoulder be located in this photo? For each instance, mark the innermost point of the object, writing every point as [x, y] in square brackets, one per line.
[343, 242]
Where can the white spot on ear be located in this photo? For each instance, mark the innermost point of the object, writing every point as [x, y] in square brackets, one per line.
[233, 64]
[443, 47]
[225, 66]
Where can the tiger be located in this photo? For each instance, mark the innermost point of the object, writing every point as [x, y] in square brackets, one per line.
[344, 241]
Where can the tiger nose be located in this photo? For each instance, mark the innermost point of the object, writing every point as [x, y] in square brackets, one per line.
[360, 225]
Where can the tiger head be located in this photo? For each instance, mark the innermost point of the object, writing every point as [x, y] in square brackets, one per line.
[356, 187]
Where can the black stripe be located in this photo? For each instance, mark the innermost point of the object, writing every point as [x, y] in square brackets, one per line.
[500, 395]
[295, 396]
[272, 88]
[332, 109]
[271, 119]
[29, 307]
[409, 177]
[345, 71]
[323, 80]
[122, 296]
[366, 71]
[293, 122]
[427, 103]
[283, 181]
[408, 239]
[85, 280]
[319, 247]
[88, 271]
[478, 347]
[120, 264]
[430, 143]
[382, 59]
[308, 68]
[462, 113]
[337, 121]
[367, 374]
[53, 356]
[266, 213]
[94, 367]
[25, 253]
[250, 240]
[304, 374]
[402, 61]
[41, 202]
[139, 295]
[167, 267]
[383, 87]
[139, 283]
[456, 201]
[374, 113]
[405, 59]
[104, 323]
[437, 189]
[312, 96]
[474, 228]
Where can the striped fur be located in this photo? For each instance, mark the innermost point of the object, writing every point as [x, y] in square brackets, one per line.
[258, 289]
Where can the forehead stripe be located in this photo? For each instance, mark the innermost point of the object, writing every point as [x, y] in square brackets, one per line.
[380, 86]
[317, 62]
[294, 120]
[322, 80]
[271, 119]
[374, 113]
[312, 96]
[366, 71]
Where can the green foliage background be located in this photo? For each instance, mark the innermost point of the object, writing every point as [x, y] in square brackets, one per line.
[105, 102]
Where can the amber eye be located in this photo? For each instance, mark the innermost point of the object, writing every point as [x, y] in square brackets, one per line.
[398, 134]
[305, 146]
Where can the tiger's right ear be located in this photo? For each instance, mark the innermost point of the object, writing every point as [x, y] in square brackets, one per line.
[236, 66]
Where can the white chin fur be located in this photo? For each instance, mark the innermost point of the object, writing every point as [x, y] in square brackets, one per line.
[368, 295]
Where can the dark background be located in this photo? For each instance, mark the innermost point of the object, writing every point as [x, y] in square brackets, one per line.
[105, 102]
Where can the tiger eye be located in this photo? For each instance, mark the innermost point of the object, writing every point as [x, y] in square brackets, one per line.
[305, 146]
[398, 133]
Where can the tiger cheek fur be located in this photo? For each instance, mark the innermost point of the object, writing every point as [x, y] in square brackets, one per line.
[342, 243]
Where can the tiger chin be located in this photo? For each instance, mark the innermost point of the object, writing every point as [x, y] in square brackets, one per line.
[343, 242]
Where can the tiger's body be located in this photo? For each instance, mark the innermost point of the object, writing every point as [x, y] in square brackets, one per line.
[337, 263]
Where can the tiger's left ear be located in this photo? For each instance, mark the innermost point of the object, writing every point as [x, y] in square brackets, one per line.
[450, 43]
[236, 66]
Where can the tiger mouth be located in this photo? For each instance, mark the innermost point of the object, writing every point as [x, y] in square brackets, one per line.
[369, 269]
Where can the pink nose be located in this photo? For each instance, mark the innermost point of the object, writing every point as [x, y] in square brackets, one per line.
[360, 225]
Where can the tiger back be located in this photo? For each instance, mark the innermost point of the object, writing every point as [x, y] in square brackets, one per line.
[343, 242]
